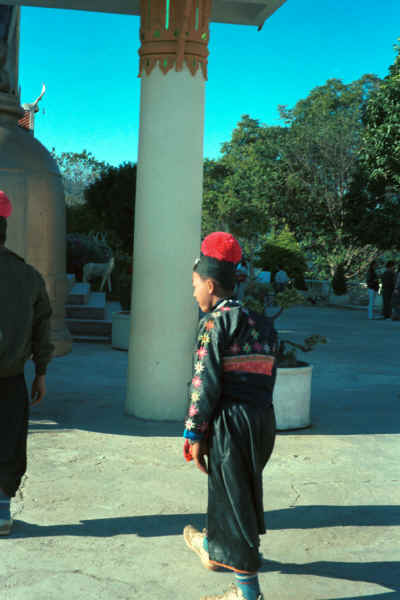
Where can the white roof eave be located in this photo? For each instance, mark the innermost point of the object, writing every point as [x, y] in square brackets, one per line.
[236, 12]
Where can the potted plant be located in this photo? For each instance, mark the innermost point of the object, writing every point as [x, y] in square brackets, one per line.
[339, 295]
[292, 394]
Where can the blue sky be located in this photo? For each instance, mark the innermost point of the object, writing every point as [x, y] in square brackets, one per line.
[89, 63]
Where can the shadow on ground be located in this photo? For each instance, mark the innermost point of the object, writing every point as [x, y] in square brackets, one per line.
[299, 517]
[386, 573]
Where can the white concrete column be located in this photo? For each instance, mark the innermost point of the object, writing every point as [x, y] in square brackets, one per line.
[167, 240]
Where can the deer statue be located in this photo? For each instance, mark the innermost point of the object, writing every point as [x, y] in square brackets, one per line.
[104, 270]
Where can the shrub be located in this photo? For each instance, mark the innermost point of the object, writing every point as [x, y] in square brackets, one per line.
[293, 262]
[339, 284]
[82, 249]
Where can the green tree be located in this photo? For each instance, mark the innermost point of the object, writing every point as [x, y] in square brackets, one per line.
[374, 197]
[380, 147]
[111, 199]
[317, 161]
[78, 170]
[237, 186]
[282, 250]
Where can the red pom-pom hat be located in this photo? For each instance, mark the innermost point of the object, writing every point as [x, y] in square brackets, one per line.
[5, 206]
[222, 246]
[220, 254]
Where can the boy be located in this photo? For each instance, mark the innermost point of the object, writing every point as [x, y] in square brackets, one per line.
[231, 418]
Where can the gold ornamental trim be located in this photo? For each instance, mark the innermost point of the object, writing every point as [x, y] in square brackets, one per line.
[174, 33]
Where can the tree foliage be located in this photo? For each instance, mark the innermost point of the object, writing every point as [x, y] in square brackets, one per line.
[237, 186]
[317, 163]
[78, 170]
[111, 199]
[380, 148]
[374, 196]
[282, 250]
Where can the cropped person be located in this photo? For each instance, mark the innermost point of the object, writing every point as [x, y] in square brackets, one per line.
[230, 419]
[388, 281]
[24, 333]
[373, 287]
[281, 280]
[396, 297]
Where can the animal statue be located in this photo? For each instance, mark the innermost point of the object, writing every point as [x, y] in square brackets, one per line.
[104, 270]
[30, 108]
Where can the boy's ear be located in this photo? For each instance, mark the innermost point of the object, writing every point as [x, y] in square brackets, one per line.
[211, 286]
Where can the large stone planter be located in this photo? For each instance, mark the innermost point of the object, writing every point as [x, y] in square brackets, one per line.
[292, 397]
[121, 326]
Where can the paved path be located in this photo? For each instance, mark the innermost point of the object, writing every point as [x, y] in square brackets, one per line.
[106, 497]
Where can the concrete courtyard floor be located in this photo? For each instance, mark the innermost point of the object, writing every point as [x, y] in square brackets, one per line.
[106, 497]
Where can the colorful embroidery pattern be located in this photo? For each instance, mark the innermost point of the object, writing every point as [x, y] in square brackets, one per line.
[189, 424]
[241, 359]
[193, 410]
[196, 381]
[201, 352]
[235, 348]
[198, 367]
[205, 339]
[255, 363]
[195, 396]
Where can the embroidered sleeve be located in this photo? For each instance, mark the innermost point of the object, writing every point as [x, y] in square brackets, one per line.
[205, 388]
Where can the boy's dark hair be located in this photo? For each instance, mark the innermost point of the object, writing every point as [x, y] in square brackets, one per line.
[220, 291]
[3, 230]
[390, 264]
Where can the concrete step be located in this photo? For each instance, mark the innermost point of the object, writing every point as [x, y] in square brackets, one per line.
[79, 294]
[93, 310]
[89, 327]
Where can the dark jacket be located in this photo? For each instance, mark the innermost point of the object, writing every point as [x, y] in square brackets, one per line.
[232, 362]
[372, 280]
[388, 280]
[24, 316]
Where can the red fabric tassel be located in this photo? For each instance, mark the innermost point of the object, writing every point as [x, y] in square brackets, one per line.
[187, 451]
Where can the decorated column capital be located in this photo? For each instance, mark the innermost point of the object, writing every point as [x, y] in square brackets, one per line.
[174, 33]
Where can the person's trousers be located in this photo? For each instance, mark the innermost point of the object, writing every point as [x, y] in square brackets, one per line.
[371, 302]
[14, 416]
[387, 303]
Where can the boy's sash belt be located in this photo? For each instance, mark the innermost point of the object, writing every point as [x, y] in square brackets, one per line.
[261, 364]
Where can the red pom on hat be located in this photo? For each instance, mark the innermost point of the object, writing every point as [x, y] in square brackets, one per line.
[222, 246]
[5, 205]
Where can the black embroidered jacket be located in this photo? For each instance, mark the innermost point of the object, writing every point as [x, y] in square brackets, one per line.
[233, 361]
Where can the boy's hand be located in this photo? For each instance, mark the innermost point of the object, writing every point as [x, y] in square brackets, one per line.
[38, 389]
[199, 450]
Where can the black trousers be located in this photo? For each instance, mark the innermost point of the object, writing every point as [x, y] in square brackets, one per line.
[241, 443]
[387, 303]
[14, 416]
